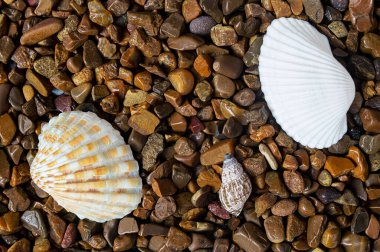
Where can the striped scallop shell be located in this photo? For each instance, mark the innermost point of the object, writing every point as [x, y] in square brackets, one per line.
[307, 90]
[236, 186]
[85, 165]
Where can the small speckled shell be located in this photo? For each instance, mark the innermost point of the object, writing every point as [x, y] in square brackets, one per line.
[236, 186]
[85, 165]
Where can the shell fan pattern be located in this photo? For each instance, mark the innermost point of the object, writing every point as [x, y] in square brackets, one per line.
[307, 90]
[85, 165]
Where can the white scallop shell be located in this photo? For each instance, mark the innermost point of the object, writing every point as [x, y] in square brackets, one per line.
[85, 165]
[308, 91]
[236, 186]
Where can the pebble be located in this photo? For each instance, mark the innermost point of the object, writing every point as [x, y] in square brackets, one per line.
[251, 57]
[370, 44]
[268, 156]
[228, 65]
[33, 221]
[70, 235]
[97, 241]
[177, 239]
[281, 8]
[7, 129]
[98, 14]
[315, 228]
[180, 176]
[185, 42]
[274, 229]
[144, 122]
[360, 220]
[6, 49]
[275, 184]
[264, 202]
[362, 67]
[182, 80]
[208, 177]
[341, 147]
[4, 92]
[163, 187]
[81, 92]
[314, 10]
[165, 207]
[327, 194]
[244, 97]
[45, 66]
[251, 237]
[123, 243]
[263, 132]
[215, 154]
[9, 223]
[149, 46]
[21, 245]
[42, 86]
[41, 31]
[87, 229]
[338, 166]
[295, 227]
[361, 169]
[202, 25]
[199, 241]
[91, 55]
[370, 119]
[190, 10]
[338, 28]
[284, 207]
[204, 91]
[177, 122]
[57, 228]
[211, 7]
[370, 144]
[355, 243]
[202, 65]
[173, 26]
[294, 181]
[232, 128]
[229, 6]
[373, 229]
[152, 148]
[223, 35]
[24, 57]
[361, 14]
[331, 236]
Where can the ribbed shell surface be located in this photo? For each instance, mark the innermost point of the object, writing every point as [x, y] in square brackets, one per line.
[236, 187]
[85, 165]
[307, 90]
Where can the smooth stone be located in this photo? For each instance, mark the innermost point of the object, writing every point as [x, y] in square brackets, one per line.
[211, 7]
[228, 65]
[361, 14]
[41, 31]
[361, 67]
[295, 227]
[332, 235]
[33, 221]
[251, 237]
[202, 25]
[370, 119]
[355, 243]
[360, 220]
[338, 166]
[182, 81]
[370, 44]
[4, 92]
[185, 42]
[315, 228]
[274, 229]
[327, 194]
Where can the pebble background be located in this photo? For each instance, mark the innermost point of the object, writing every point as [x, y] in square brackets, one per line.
[180, 80]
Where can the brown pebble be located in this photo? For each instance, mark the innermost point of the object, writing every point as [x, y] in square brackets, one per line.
[294, 181]
[228, 65]
[143, 122]
[163, 187]
[216, 153]
[338, 166]
[7, 129]
[284, 207]
[182, 80]
[274, 228]
[41, 31]
[315, 228]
